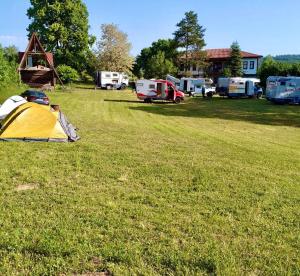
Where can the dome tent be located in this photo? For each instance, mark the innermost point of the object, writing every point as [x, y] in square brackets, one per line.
[10, 104]
[34, 122]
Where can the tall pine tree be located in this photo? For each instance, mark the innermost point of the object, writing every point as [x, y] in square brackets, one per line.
[235, 65]
[62, 26]
[190, 36]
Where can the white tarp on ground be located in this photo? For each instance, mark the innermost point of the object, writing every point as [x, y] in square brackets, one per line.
[10, 104]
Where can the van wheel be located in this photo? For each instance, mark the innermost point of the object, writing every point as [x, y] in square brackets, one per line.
[177, 100]
[147, 101]
[123, 86]
[259, 95]
[108, 87]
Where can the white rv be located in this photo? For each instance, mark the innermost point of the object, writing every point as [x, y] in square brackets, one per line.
[239, 87]
[174, 80]
[111, 80]
[283, 90]
[196, 86]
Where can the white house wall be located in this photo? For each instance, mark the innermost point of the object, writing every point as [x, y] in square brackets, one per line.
[248, 71]
[250, 66]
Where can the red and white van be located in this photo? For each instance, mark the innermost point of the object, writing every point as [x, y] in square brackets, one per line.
[150, 90]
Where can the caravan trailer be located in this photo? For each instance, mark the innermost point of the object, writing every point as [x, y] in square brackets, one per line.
[239, 87]
[283, 90]
[149, 90]
[111, 80]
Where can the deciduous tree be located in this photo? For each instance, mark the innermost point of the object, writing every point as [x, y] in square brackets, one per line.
[62, 26]
[113, 53]
[159, 67]
[8, 69]
[164, 52]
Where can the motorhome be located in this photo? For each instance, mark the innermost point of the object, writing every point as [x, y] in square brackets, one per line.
[239, 87]
[111, 80]
[283, 89]
[197, 86]
[150, 90]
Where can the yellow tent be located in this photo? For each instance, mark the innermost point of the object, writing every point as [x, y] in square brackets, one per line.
[33, 122]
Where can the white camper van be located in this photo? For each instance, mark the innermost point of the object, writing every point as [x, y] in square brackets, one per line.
[197, 86]
[111, 80]
[150, 90]
[283, 90]
[174, 80]
[239, 87]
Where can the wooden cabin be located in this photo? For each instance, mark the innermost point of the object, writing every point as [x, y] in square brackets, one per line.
[36, 67]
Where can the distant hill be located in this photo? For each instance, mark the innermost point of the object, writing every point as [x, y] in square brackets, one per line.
[288, 58]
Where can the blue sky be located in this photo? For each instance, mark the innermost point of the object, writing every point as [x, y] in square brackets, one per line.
[260, 26]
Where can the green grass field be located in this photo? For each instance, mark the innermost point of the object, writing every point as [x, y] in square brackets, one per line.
[205, 187]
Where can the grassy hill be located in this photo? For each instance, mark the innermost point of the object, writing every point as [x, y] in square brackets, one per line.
[205, 187]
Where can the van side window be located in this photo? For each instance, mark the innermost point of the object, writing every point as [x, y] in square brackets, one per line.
[283, 83]
[151, 86]
[292, 84]
[115, 75]
[107, 75]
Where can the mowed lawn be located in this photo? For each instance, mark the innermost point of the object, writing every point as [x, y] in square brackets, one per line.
[204, 187]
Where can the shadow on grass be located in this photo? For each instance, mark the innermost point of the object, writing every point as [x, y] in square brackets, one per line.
[137, 101]
[248, 110]
[84, 87]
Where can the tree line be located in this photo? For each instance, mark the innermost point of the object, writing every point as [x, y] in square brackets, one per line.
[271, 67]
[63, 28]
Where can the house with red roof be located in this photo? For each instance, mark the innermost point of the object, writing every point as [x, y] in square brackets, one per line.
[218, 60]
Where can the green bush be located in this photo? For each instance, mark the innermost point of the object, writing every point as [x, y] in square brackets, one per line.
[86, 77]
[67, 74]
[8, 70]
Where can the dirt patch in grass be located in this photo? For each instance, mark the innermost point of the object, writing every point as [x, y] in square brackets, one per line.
[25, 187]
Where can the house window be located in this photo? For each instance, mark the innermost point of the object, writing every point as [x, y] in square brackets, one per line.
[194, 67]
[217, 67]
[245, 65]
[181, 67]
[252, 65]
[29, 61]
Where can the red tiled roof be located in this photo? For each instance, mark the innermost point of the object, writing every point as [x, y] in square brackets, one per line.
[225, 53]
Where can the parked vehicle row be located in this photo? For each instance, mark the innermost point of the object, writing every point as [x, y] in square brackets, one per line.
[279, 89]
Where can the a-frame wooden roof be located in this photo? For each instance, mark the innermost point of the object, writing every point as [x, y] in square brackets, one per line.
[35, 47]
